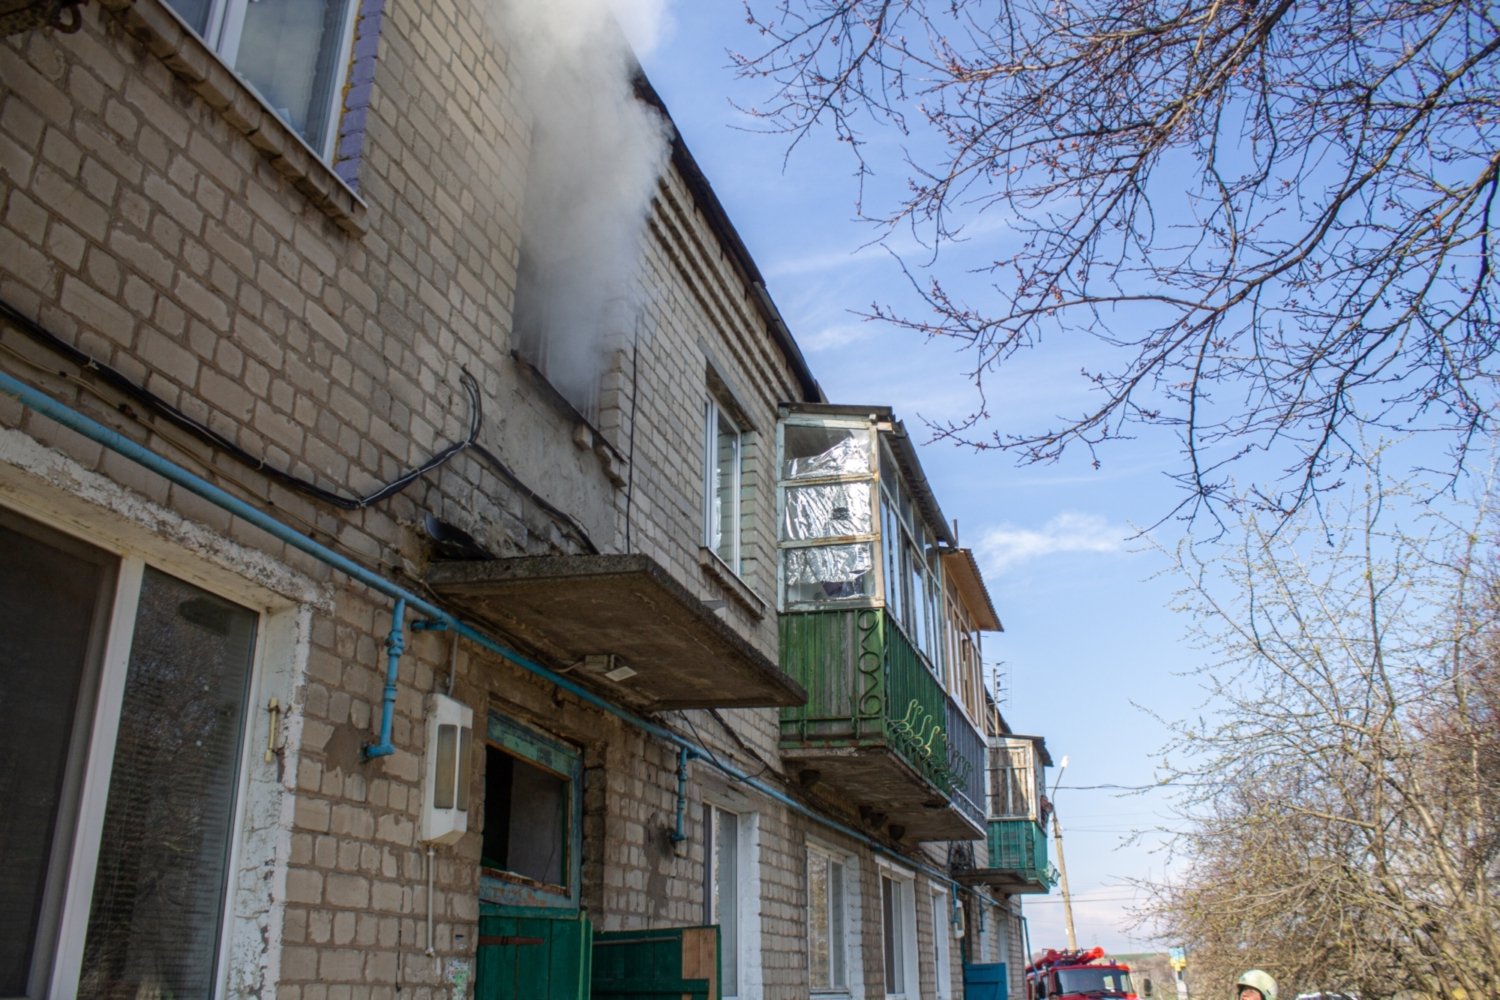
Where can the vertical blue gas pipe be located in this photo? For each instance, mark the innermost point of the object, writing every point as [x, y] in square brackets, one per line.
[395, 645]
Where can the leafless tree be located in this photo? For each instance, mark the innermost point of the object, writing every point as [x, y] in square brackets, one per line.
[1343, 795]
[1275, 217]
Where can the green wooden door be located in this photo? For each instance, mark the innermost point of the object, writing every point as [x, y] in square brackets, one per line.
[533, 957]
[679, 963]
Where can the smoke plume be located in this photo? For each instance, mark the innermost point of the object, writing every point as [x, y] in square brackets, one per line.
[596, 155]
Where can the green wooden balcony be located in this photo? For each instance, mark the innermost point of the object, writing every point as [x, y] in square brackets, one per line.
[1015, 859]
[878, 728]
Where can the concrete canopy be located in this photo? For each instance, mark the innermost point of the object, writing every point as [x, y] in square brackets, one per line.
[576, 611]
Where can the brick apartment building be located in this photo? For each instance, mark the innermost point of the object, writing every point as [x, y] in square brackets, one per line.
[429, 568]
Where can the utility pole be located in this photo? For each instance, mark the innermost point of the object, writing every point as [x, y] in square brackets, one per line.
[1062, 866]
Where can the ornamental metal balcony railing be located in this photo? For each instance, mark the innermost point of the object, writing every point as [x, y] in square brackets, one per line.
[878, 726]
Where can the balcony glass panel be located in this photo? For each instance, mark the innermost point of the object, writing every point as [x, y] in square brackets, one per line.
[815, 452]
[827, 510]
[829, 573]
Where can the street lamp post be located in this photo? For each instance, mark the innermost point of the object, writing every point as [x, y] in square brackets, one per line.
[1062, 866]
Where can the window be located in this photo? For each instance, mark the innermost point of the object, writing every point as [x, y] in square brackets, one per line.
[723, 459]
[827, 932]
[532, 817]
[1013, 780]
[942, 933]
[898, 935]
[114, 857]
[731, 898]
[293, 53]
[828, 530]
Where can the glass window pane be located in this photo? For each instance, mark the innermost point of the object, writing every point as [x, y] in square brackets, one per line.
[891, 913]
[52, 591]
[290, 51]
[824, 451]
[826, 511]
[819, 916]
[163, 862]
[726, 879]
[836, 923]
[828, 573]
[890, 540]
[724, 504]
[194, 12]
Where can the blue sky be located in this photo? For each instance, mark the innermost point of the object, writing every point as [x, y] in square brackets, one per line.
[1087, 629]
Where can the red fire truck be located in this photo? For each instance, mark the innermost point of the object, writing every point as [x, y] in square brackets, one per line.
[1077, 975]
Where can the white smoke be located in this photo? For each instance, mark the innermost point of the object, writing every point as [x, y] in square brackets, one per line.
[596, 155]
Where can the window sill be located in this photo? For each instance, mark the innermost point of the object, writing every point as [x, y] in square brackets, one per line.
[729, 581]
[185, 54]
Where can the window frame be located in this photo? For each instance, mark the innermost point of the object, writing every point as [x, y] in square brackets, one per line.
[942, 943]
[872, 539]
[898, 949]
[715, 500]
[549, 754]
[840, 921]
[745, 945]
[1015, 779]
[276, 658]
[223, 33]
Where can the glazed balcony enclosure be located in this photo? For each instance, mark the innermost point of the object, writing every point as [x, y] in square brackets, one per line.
[1015, 857]
[880, 624]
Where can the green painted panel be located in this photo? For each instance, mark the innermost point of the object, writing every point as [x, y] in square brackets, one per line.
[673, 963]
[869, 687]
[521, 957]
[1019, 845]
[837, 656]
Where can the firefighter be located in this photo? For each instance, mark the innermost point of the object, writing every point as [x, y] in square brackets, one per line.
[1255, 985]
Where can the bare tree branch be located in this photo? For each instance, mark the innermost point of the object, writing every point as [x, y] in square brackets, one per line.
[1275, 217]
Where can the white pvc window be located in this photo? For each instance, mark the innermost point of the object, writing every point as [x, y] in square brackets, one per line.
[723, 461]
[293, 53]
[130, 690]
[898, 935]
[941, 943]
[731, 898]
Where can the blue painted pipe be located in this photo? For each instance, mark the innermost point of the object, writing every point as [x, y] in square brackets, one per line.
[115, 441]
[683, 756]
[395, 645]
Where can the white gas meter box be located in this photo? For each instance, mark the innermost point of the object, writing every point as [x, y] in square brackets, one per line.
[445, 784]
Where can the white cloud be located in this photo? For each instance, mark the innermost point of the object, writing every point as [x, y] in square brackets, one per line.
[1008, 545]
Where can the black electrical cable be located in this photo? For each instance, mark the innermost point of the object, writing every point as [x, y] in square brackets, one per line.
[156, 405]
[160, 407]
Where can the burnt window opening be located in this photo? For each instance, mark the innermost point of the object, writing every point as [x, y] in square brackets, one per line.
[532, 840]
[563, 331]
[525, 819]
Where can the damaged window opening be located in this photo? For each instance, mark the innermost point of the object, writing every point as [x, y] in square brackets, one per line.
[525, 816]
[564, 336]
[532, 835]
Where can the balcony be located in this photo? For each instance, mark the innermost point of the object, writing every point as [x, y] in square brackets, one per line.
[620, 625]
[1015, 859]
[878, 727]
